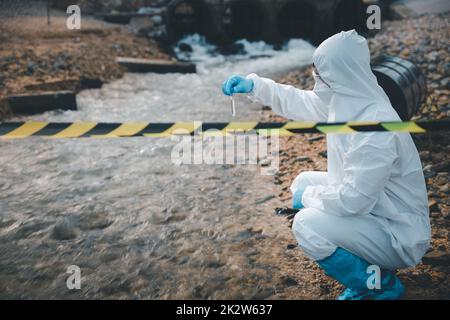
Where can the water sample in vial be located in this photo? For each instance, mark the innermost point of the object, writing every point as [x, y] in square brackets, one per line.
[233, 106]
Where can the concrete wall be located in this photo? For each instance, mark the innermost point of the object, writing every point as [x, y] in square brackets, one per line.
[223, 21]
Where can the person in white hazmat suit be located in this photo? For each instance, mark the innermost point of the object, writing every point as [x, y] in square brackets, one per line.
[371, 206]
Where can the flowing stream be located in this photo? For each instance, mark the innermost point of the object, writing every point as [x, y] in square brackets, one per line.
[136, 224]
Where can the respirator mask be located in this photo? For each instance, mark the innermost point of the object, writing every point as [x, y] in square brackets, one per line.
[322, 89]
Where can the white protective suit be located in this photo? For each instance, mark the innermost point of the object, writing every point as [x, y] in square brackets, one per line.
[373, 199]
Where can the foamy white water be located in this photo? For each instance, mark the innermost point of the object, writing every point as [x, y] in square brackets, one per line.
[178, 97]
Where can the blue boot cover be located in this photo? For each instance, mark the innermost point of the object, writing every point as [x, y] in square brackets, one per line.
[351, 271]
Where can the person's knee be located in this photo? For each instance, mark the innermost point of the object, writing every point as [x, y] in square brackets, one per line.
[306, 218]
[303, 178]
[314, 244]
[301, 181]
[302, 224]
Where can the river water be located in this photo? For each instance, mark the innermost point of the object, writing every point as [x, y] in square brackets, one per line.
[137, 225]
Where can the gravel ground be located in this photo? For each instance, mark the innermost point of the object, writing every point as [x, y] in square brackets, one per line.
[425, 42]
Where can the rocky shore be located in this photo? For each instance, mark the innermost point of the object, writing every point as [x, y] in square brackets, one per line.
[425, 42]
[36, 57]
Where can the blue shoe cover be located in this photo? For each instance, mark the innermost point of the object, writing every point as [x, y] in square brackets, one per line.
[352, 294]
[391, 287]
[351, 271]
[391, 293]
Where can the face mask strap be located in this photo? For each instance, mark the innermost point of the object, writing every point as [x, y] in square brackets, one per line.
[320, 78]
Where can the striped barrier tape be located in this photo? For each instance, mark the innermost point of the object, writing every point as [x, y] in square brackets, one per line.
[10, 130]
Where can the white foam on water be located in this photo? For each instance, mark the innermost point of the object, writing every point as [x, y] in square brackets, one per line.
[257, 56]
[187, 97]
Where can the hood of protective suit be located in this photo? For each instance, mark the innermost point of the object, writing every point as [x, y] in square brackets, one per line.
[343, 62]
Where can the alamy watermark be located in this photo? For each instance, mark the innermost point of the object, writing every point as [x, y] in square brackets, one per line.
[73, 282]
[73, 22]
[230, 147]
[374, 280]
[374, 19]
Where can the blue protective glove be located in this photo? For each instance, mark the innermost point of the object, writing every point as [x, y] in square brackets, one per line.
[297, 199]
[237, 84]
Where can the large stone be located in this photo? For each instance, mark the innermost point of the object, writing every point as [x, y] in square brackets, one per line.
[41, 102]
[64, 230]
[156, 66]
[437, 258]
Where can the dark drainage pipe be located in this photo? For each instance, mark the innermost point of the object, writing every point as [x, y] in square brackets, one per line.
[403, 82]
[243, 19]
[187, 17]
[350, 14]
[297, 20]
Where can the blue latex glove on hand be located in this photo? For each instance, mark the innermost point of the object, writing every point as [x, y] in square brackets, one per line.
[237, 84]
[297, 199]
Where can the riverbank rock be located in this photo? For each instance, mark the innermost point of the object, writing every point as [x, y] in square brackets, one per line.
[64, 230]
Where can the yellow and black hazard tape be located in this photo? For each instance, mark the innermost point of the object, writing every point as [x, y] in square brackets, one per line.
[136, 129]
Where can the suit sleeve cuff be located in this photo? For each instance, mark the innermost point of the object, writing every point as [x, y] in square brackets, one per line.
[256, 86]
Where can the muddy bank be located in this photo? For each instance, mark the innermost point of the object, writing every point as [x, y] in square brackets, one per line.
[37, 57]
[424, 41]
